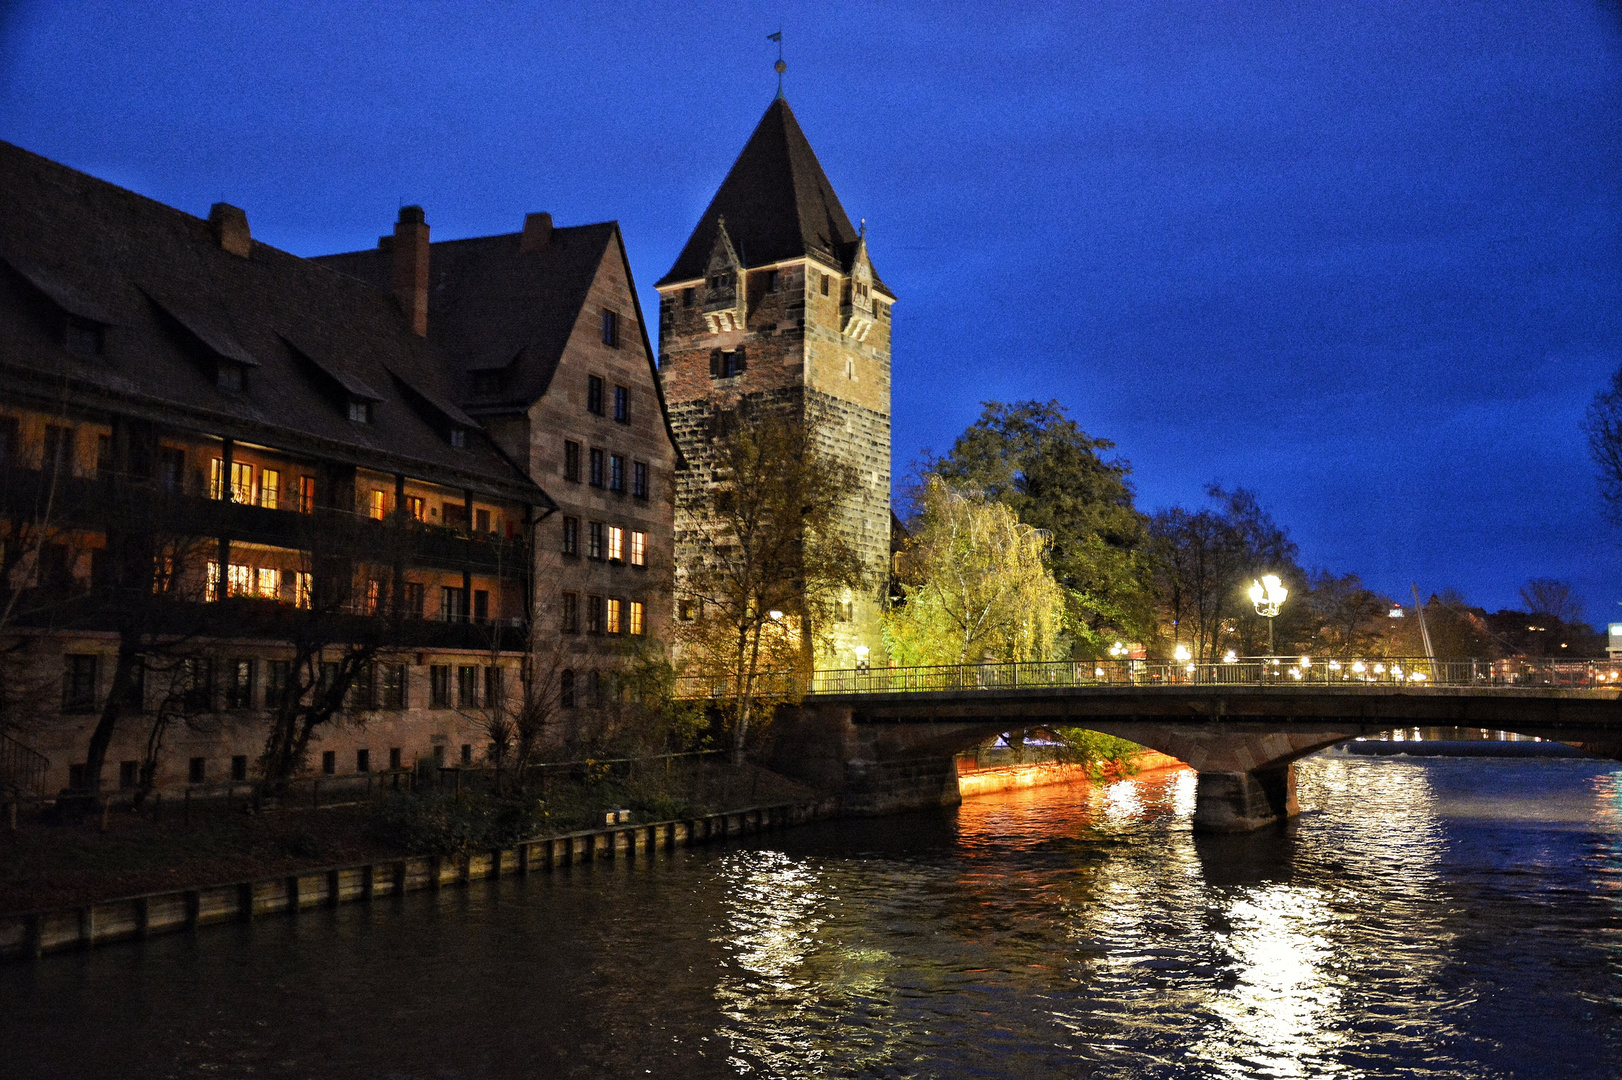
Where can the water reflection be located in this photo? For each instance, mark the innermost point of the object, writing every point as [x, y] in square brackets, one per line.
[1436, 919]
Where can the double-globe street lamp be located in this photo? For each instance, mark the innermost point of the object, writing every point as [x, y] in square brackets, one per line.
[1267, 596]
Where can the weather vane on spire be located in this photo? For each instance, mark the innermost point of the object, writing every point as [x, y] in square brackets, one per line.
[779, 66]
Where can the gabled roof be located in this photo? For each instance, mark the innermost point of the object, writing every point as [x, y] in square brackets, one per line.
[777, 202]
[494, 307]
[174, 304]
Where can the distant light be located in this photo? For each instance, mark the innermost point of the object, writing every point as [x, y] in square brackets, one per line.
[1306, 662]
[1230, 657]
[1379, 669]
[1358, 667]
[861, 650]
[1190, 669]
[1182, 653]
[776, 615]
[1396, 612]
[1295, 673]
[1334, 665]
[1418, 676]
[1099, 672]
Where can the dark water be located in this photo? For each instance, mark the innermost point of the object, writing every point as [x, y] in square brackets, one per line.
[1441, 918]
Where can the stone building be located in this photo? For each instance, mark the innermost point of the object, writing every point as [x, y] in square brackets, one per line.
[305, 431]
[775, 300]
[549, 352]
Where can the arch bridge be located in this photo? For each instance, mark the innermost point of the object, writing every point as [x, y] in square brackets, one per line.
[887, 739]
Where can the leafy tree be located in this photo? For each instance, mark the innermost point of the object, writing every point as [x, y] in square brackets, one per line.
[1034, 459]
[975, 584]
[772, 559]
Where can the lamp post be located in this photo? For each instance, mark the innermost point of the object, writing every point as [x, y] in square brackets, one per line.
[1267, 596]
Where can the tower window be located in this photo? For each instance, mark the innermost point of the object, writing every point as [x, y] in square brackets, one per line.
[611, 328]
[594, 394]
[458, 437]
[639, 479]
[83, 338]
[771, 281]
[571, 536]
[825, 280]
[228, 375]
[687, 297]
[571, 461]
[726, 364]
[360, 411]
[616, 473]
[598, 461]
[622, 404]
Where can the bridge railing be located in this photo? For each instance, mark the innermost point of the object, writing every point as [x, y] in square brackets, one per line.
[1407, 671]
[1414, 672]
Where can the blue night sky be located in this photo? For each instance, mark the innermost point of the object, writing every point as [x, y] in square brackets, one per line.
[1362, 259]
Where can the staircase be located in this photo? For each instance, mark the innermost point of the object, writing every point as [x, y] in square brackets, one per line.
[22, 770]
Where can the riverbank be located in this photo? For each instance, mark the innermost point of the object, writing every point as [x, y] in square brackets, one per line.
[30, 935]
[49, 865]
[974, 782]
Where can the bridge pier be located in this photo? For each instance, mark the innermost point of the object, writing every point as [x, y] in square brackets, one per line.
[1235, 802]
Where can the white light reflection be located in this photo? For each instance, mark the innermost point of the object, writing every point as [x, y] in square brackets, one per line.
[1280, 1012]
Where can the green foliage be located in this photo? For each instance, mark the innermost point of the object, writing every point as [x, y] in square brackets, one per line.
[976, 585]
[1034, 459]
[441, 823]
[1098, 751]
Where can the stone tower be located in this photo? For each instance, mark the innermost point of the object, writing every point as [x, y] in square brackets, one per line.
[774, 299]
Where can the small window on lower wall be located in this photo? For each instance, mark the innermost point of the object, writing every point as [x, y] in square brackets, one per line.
[363, 761]
[197, 770]
[129, 774]
[565, 689]
[239, 768]
[394, 758]
[571, 613]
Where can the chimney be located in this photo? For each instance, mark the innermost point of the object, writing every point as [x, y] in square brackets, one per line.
[537, 232]
[411, 267]
[230, 226]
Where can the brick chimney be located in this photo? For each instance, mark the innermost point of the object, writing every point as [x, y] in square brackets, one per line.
[230, 226]
[410, 250]
[537, 232]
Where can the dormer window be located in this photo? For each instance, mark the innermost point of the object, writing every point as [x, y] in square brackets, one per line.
[718, 282]
[83, 338]
[458, 438]
[229, 375]
[687, 298]
[360, 411]
[487, 382]
[771, 281]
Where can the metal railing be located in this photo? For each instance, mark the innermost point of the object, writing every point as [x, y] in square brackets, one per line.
[22, 770]
[1297, 672]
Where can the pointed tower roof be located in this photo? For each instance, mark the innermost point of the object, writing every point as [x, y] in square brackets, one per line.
[777, 203]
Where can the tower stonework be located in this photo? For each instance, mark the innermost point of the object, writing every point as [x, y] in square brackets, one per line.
[774, 300]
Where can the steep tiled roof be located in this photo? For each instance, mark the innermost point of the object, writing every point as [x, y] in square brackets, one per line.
[174, 304]
[776, 202]
[493, 305]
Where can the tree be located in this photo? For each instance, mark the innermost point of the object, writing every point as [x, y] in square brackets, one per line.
[1603, 425]
[1203, 560]
[976, 585]
[1343, 618]
[1033, 458]
[772, 559]
[1546, 596]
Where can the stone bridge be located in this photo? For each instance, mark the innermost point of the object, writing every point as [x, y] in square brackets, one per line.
[887, 747]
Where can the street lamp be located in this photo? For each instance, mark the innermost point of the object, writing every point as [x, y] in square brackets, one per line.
[1267, 596]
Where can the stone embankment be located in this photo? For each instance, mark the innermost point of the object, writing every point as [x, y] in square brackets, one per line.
[30, 935]
[1042, 773]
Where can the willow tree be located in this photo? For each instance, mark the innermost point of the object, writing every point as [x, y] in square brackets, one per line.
[771, 556]
[976, 585]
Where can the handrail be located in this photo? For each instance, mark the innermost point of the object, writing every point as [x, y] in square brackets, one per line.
[1294, 672]
[22, 769]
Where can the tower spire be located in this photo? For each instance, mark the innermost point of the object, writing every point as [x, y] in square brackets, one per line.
[779, 67]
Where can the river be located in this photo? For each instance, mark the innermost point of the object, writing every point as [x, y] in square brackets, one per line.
[1424, 917]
